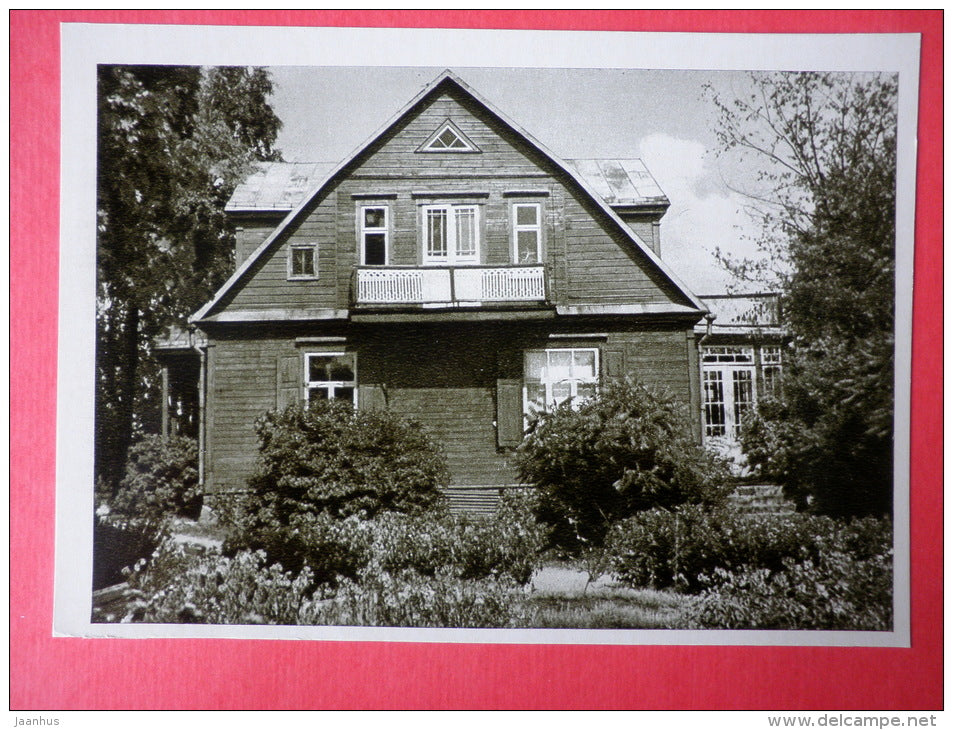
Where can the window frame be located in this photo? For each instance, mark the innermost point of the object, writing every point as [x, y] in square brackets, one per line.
[292, 248]
[451, 210]
[329, 385]
[518, 228]
[549, 402]
[363, 230]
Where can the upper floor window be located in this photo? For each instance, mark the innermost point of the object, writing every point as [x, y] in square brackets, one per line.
[374, 235]
[527, 233]
[302, 261]
[448, 138]
[451, 234]
[330, 376]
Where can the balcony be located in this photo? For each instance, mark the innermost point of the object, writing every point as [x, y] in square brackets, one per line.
[440, 286]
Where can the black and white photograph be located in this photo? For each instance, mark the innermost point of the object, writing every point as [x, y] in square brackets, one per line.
[605, 354]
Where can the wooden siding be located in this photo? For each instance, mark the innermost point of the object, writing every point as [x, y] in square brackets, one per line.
[589, 259]
[443, 376]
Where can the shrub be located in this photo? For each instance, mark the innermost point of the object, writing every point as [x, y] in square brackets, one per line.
[626, 450]
[188, 585]
[834, 592]
[684, 547]
[119, 543]
[507, 543]
[331, 458]
[407, 598]
[198, 585]
[161, 480]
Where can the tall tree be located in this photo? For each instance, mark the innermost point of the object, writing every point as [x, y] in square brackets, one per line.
[825, 148]
[173, 143]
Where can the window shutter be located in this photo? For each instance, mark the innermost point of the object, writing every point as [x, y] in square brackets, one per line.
[288, 386]
[615, 368]
[509, 412]
[371, 398]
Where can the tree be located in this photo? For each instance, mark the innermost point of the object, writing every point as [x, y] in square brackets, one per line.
[173, 143]
[825, 146]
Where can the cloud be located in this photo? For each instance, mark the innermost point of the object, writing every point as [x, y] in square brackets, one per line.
[704, 216]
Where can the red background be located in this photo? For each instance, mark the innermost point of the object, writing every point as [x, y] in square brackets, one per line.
[58, 673]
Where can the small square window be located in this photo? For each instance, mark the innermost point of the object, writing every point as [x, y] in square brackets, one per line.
[302, 262]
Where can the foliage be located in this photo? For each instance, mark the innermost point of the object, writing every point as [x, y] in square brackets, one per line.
[407, 598]
[835, 591]
[470, 547]
[161, 480]
[173, 143]
[508, 543]
[119, 543]
[826, 147]
[331, 458]
[626, 450]
[685, 547]
[195, 585]
[190, 585]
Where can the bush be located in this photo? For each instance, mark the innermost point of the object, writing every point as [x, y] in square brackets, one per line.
[331, 458]
[119, 543]
[161, 480]
[685, 547]
[507, 543]
[834, 592]
[407, 598]
[190, 585]
[627, 450]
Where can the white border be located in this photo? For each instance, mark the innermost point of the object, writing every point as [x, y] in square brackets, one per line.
[85, 45]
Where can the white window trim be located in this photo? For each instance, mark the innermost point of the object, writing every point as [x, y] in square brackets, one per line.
[313, 248]
[451, 258]
[331, 384]
[536, 227]
[362, 230]
[548, 400]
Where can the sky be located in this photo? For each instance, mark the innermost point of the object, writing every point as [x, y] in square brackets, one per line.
[662, 117]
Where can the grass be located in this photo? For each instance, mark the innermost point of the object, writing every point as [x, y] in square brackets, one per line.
[607, 606]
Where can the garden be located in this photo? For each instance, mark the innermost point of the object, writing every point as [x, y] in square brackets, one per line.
[626, 523]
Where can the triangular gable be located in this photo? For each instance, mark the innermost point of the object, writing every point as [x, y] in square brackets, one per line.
[451, 79]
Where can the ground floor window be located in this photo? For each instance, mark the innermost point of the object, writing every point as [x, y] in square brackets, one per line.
[330, 375]
[554, 376]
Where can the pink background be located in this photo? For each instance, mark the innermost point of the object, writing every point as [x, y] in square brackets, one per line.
[58, 674]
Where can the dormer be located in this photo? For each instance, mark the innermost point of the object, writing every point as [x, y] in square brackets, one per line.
[631, 191]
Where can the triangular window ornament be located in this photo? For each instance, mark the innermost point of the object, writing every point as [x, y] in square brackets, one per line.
[448, 138]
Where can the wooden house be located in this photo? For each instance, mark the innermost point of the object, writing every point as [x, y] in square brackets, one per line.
[453, 270]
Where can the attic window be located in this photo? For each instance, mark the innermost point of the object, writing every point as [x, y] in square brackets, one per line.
[448, 138]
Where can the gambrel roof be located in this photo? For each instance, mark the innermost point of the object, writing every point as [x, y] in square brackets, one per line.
[270, 192]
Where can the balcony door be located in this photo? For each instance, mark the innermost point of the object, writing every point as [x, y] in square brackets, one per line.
[451, 235]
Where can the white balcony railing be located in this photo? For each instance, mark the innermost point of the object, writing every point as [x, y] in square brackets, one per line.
[450, 286]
